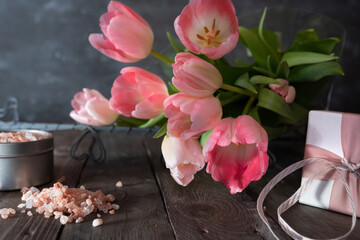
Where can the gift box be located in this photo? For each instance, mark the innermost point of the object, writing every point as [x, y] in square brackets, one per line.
[335, 137]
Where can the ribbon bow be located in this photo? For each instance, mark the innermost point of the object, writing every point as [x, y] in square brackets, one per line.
[354, 168]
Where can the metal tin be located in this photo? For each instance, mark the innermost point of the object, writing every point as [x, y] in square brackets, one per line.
[24, 164]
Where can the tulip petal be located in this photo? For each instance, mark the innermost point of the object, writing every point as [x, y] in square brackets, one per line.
[103, 45]
[125, 33]
[100, 111]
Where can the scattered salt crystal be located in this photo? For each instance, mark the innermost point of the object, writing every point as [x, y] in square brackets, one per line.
[97, 222]
[115, 206]
[4, 211]
[98, 215]
[112, 211]
[64, 219]
[21, 205]
[23, 211]
[5, 216]
[119, 184]
[88, 202]
[29, 213]
[110, 197]
[12, 211]
[82, 187]
[79, 220]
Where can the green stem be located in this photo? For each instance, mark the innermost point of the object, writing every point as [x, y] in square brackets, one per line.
[161, 57]
[131, 121]
[248, 105]
[238, 90]
[152, 121]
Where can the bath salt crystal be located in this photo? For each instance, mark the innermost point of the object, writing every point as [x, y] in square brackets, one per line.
[112, 212]
[97, 222]
[23, 211]
[68, 204]
[12, 211]
[4, 211]
[64, 219]
[29, 213]
[21, 205]
[4, 216]
[119, 184]
[82, 187]
[115, 206]
[98, 215]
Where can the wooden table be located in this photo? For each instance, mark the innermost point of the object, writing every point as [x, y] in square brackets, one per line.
[153, 206]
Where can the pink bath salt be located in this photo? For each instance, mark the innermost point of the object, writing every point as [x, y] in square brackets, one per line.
[119, 184]
[97, 222]
[11, 137]
[68, 204]
[4, 216]
[29, 213]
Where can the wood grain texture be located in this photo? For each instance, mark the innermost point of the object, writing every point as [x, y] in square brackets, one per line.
[205, 209]
[21, 226]
[309, 221]
[142, 214]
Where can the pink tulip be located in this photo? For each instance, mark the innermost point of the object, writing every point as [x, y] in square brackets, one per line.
[138, 93]
[183, 158]
[208, 27]
[126, 37]
[189, 116]
[92, 108]
[195, 76]
[236, 152]
[287, 92]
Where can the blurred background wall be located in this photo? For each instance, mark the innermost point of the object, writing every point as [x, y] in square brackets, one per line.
[45, 57]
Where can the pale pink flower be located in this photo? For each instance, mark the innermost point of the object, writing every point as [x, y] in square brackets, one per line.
[208, 27]
[92, 108]
[287, 92]
[126, 37]
[189, 116]
[183, 158]
[195, 76]
[236, 152]
[138, 93]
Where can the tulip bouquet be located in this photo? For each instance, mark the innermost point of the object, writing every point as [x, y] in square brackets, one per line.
[213, 111]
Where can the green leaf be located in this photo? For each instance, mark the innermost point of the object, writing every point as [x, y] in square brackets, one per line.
[254, 113]
[303, 37]
[162, 131]
[259, 79]
[283, 70]
[243, 81]
[273, 102]
[152, 122]
[253, 42]
[264, 71]
[204, 137]
[173, 43]
[324, 46]
[230, 74]
[299, 58]
[314, 72]
[300, 113]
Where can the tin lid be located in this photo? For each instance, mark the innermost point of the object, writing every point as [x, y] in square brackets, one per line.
[46, 143]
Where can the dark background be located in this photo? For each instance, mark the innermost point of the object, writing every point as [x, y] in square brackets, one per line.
[45, 57]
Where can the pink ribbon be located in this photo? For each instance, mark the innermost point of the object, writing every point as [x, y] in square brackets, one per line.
[344, 171]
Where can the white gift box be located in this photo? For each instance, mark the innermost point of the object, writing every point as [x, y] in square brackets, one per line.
[335, 137]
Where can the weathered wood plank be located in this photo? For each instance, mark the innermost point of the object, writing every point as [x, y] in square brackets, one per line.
[205, 209]
[310, 221]
[142, 214]
[21, 226]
